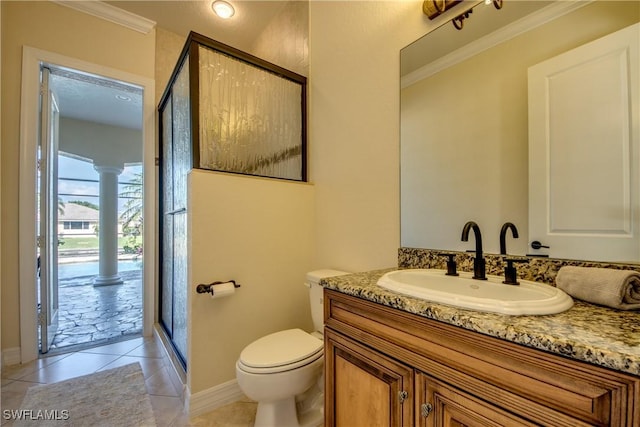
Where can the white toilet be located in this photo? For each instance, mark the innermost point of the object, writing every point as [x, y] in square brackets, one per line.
[283, 371]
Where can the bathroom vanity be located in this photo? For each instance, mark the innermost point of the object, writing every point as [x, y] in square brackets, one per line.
[400, 361]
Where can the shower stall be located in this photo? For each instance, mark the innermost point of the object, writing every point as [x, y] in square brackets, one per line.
[227, 111]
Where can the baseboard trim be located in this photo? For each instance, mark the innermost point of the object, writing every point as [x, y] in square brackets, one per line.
[11, 356]
[212, 398]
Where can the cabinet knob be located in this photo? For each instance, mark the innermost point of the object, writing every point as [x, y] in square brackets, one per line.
[402, 396]
[426, 409]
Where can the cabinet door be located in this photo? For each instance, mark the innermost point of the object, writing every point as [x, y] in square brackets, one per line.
[441, 405]
[365, 388]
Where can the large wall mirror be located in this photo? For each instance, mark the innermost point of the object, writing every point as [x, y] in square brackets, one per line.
[465, 118]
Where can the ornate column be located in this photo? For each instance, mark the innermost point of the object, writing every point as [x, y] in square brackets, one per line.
[108, 226]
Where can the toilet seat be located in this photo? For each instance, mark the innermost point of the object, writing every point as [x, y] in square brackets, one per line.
[280, 351]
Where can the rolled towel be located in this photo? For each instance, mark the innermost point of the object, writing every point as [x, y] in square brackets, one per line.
[605, 286]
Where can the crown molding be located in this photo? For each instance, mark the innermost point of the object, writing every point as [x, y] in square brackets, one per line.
[110, 13]
[505, 33]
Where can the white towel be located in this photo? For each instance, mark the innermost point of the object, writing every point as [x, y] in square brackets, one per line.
[605, 286]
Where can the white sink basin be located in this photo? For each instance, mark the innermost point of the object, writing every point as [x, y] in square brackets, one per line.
[489, 295]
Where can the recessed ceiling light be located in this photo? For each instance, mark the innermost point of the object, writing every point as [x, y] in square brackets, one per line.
[123, 98]
[223, 9]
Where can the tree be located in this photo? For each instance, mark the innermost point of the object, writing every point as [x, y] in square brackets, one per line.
[132, 216]
[60, 206]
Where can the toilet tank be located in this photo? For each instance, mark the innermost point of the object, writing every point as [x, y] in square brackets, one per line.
[315, 295]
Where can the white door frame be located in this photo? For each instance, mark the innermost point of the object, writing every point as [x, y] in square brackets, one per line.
[29, 114]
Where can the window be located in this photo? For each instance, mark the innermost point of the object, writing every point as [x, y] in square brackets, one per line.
[76, 225]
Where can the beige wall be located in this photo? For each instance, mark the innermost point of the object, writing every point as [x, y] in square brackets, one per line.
[285, 40]
[51, 27]
[354, 127]
[168, 48]
[260, 233]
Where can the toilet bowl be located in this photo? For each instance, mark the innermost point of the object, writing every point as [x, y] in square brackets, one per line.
[283, 370]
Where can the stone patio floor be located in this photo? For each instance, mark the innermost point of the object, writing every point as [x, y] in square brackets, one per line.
[89, 314]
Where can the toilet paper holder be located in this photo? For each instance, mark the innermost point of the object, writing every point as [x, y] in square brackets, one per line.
[208, 288]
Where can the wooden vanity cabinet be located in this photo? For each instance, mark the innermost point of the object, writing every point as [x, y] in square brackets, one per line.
[387, 367]
[448, 406]
[369, 389]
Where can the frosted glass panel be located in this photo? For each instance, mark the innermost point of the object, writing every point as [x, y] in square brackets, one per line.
[180, 265]
[166, 306]
[181, 166]
[182, 138]
[250, 119]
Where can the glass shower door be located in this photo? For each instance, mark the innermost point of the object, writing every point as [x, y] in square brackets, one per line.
[176, 163]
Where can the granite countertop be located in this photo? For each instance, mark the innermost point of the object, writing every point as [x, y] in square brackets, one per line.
[586, 332]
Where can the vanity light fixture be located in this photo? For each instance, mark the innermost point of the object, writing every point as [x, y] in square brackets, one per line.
[433, 8]
[496, 3]
[223, 9]
[458, 21]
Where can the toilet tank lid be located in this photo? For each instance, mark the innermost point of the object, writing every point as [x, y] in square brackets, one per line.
[316, 275]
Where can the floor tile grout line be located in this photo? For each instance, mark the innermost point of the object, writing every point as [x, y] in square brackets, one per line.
[50, 365]
[167, 379]
[116, 359]
[36, 370]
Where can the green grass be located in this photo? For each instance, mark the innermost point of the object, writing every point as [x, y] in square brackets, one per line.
[89, 242]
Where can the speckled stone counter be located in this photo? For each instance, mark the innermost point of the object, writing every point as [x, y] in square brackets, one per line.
[586, 332]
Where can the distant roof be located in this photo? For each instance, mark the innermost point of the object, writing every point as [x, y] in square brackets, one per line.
[75, 212]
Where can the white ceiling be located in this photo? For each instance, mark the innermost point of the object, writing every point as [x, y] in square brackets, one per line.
[180, 17]
[99, 101]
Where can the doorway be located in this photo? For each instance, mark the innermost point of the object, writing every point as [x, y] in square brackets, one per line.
[86, 258]
[90, 209]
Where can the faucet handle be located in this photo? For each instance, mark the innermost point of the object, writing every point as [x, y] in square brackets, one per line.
[451, 263]
[510, 271]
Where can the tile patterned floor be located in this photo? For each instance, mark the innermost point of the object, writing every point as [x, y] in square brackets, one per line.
[93, 314]
[163, 386]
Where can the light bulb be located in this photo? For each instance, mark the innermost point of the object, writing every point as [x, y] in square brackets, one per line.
[223, 9]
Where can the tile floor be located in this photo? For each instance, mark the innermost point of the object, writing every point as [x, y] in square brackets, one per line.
[162, 385]
[90, 313]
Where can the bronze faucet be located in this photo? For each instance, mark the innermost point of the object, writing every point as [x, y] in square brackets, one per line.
[479, 268]
[503, 236]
